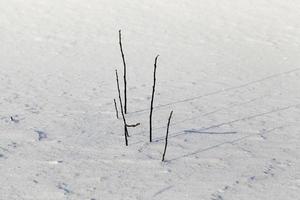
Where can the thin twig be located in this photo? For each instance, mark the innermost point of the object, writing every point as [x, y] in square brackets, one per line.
[122, 112]
[167, 134]
[124, 73]
[152, 97]
[116, 108]
[133, 125]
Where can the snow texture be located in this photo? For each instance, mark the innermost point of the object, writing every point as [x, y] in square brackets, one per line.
[230, 70]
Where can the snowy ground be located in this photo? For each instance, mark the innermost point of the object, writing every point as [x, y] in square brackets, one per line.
[230, 70]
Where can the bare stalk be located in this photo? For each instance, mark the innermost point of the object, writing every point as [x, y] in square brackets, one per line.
[152, 97]
[116, 108]
[167, 135]
[122, 112]
[124, 73]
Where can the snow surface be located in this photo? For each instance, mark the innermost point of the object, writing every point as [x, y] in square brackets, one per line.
[230, 70]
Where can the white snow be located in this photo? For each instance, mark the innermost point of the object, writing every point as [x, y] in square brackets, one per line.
[230, 70]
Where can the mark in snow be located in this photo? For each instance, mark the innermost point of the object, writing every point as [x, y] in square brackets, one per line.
[163, 190]
[217, 197]
[42, 135]
[208, 132]
[14, 119]
[63, 186]
[55, 162]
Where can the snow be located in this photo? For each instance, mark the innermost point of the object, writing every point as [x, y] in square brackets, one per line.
[229, 69]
